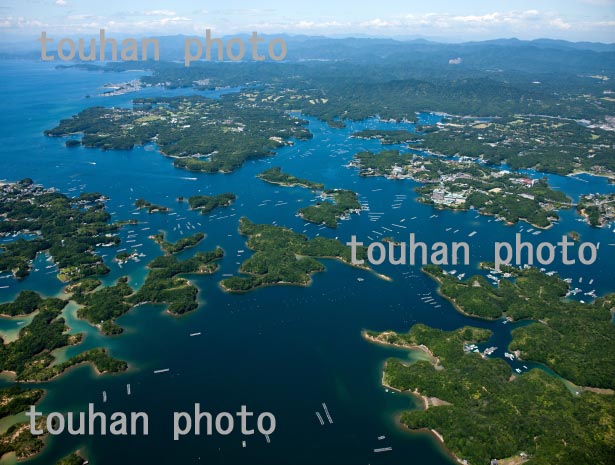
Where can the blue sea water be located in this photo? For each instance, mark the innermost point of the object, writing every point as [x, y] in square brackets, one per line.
[279, 349]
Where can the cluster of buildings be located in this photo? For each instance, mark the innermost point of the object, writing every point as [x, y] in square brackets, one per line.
[441, 196]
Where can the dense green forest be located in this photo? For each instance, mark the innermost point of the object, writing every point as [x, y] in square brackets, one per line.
[102, 306]
[69, 229]
[208, 203]
[533, 120]
[275, 175]
[30, 355]
[71, 459]
[329, 212]
[491, 413]
[576, 340]
[200, 134]
[15, 399]
[550, 145]
[19, 440]
[25, 303]
[163, 285]
[150, 207]
[282, 256]
[181, 245]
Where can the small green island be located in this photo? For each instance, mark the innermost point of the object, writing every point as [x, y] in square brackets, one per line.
[25, 303]
[575, 236]
[163, 285]
[276, 176]
[30, 357]
[72, 459]
[150, 207]
[481, 411]
[282, 256]
[208, 203]
[598, 209]
[335, 204]
[464, 184]
[181, 245]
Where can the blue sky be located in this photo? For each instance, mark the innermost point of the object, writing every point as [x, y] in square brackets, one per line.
[592, 20]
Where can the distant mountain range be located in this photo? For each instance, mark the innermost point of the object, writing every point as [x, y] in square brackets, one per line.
[540, 55]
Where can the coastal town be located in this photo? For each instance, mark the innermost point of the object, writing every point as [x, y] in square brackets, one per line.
[463, 184]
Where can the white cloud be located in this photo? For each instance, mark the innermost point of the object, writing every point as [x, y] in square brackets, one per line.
[11, 22]
[527, 24]
[378, 23]
[160, 13]
[524, 24]
[559, 23]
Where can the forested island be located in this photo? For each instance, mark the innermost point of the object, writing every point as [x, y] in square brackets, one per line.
[181, 245]
[482, 411]
[72, 459]
[102, 306]
[25, 303]
[30, 357]
[208, 203]
[275, 175]
[68, 229]
[201, 134]
[17, 438]
[282, 256]
[464, 184]
[336, 204]
[150, 207]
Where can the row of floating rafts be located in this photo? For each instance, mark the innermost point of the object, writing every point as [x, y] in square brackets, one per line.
[399, 199]
[327, 414]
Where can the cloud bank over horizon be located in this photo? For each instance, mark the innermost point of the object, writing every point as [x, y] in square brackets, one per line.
[574, 20]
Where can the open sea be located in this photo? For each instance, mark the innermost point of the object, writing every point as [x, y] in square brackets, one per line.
[279, 349]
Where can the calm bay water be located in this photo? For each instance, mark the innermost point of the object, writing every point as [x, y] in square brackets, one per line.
[278, 349]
